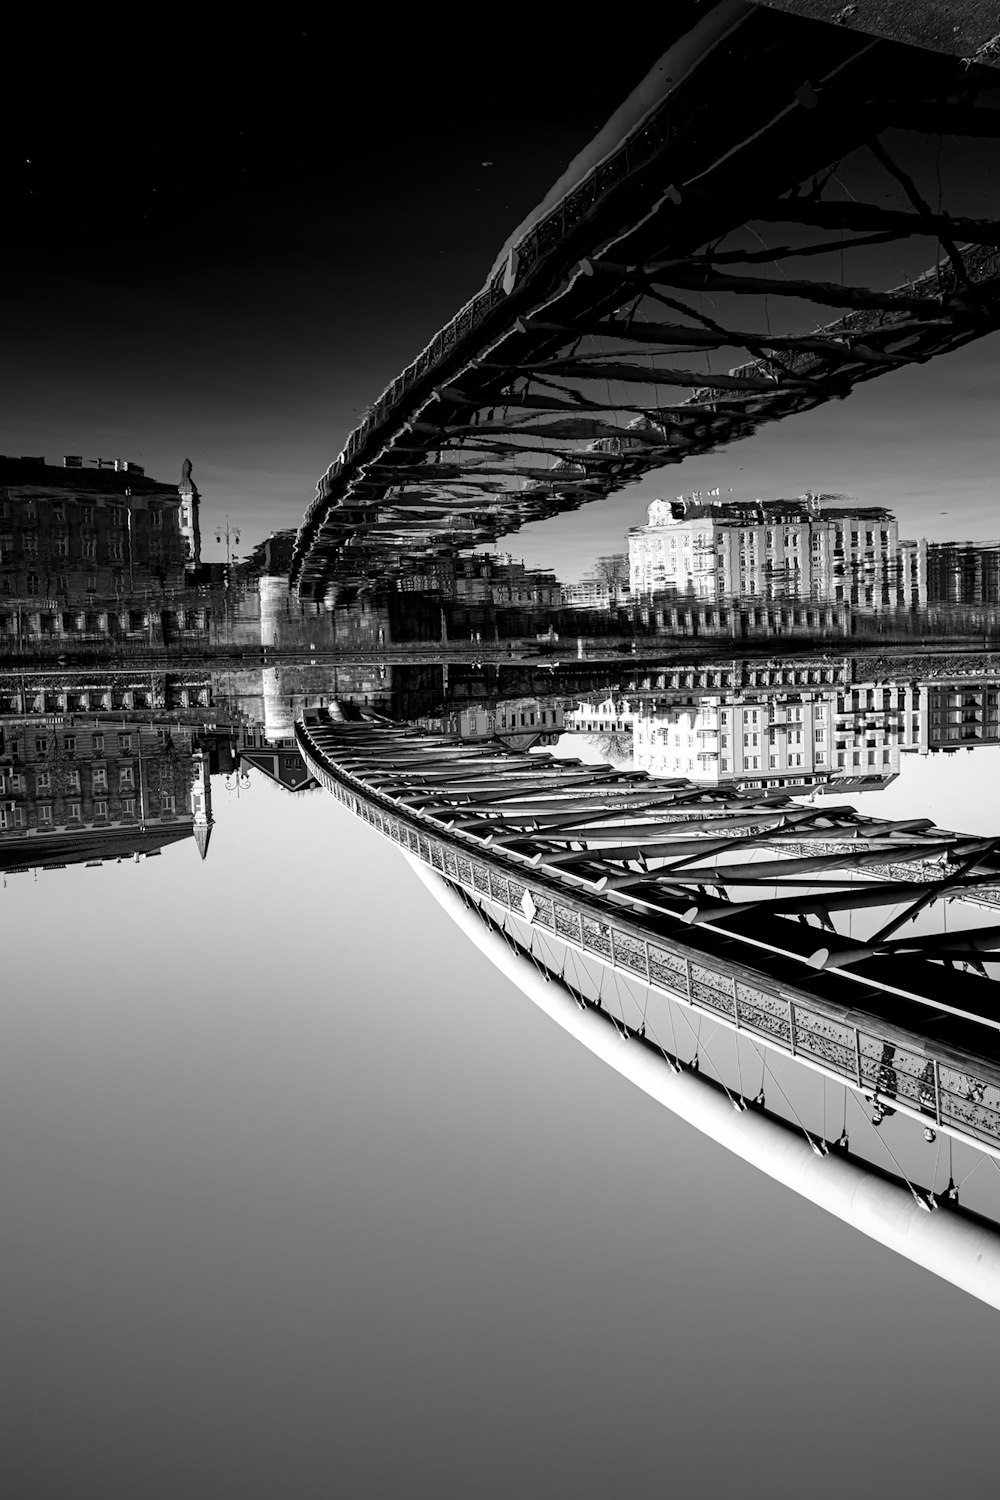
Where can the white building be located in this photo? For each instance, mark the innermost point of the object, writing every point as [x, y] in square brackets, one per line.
[801, 737]
[611, 715]
[776, 549]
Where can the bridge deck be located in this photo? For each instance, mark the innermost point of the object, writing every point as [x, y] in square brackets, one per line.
[887, 1018]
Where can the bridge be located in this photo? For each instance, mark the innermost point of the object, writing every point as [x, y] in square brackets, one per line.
[675, 289]
[707, 905]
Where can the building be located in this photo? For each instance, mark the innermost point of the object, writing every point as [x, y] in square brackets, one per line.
[781, 737]
[78, 532]
[962, 573]
[963, 712]
[72, 787]
[612, 714]
[190, 521]
[521, 723]
[774, 549]
[281, 764]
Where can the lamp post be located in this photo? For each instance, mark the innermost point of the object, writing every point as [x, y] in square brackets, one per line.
[231, 533]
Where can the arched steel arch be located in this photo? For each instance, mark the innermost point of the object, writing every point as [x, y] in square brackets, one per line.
[547, 390]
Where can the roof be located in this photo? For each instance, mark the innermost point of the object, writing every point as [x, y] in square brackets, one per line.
[28, 471]
[283, 765]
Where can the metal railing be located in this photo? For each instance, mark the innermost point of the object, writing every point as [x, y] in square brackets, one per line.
[963, 1099]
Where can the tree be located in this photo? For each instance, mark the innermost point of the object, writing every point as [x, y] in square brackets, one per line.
[615, 746]
[612, 570]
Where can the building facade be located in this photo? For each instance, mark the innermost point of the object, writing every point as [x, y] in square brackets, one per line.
[80, 783]
[776, 549]
[76, 533]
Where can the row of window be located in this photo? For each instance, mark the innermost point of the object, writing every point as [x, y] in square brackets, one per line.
[27, 511]
[45, 743]
[12, 816]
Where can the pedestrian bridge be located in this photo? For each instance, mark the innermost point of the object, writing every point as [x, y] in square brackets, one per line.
[710, 908]
[749, 237]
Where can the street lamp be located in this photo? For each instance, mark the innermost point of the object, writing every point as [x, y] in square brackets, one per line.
[231, 532]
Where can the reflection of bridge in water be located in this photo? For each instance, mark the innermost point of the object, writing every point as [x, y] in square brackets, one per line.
[674, 907]
[592, 355]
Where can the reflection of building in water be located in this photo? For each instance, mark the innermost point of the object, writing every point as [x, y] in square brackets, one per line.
[482, 578]
[520, 722]
[963, 712]
[801, 737]
[105, 691]
[963, 573]
[283, 765]
[75, 789]
[80, 532]
[613, 714]
[667, 614]
[796, 549]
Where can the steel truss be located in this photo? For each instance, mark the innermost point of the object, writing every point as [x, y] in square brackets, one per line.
[585, 362]
[631, 871]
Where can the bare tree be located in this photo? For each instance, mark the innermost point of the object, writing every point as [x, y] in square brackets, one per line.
[615, 746]
[612, 570]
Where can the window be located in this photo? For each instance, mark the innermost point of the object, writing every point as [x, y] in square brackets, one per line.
[43, 781]
[126, 776]
[98, 744]
[41, 746]
[100, 778]
[125, 743]
[128, 807]
[73, 812]
[89, 546]
[72, 781]
[87, 515]
[70, 743]
[29, 542]
[155, 518]
[60, 546]
[11, 816]
[168, 802]
[100, 809]
[115, 548]
[44, 814]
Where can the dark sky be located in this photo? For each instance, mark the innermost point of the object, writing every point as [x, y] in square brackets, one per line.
[225, 243]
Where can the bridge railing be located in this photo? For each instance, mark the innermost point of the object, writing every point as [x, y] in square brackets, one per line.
[937, 1090]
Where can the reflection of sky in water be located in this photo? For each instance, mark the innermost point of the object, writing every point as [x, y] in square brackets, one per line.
[301, 1197]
